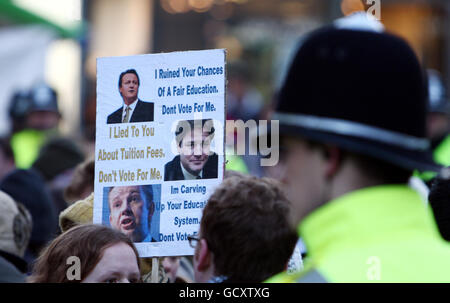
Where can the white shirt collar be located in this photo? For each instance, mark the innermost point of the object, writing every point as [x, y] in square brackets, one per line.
[187, 175]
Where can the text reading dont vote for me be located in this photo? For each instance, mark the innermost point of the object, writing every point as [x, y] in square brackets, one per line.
[186, 108]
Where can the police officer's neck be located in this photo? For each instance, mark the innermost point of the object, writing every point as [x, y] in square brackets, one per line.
[349, 177]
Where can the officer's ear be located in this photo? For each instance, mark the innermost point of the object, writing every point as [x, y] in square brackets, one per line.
[333, 156]
[203, 256]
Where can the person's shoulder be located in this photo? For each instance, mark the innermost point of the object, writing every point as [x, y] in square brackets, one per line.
[9, 273]
[282, 277]
[211, 167]
[172, 170]
[311, 275]
[117, 111]
[174, 161]
[143, 112]
[214, 157]
[213, 161]
[115, 116]
[149, 238]
[145, 103]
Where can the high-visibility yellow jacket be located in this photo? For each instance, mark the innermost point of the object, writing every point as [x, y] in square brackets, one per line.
[235, 162]
[376, 234]
[26, 145]
[441, 155]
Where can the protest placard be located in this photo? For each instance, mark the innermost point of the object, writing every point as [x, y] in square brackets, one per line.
[159, 149]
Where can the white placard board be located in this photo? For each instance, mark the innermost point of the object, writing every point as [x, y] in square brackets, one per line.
[146, 184]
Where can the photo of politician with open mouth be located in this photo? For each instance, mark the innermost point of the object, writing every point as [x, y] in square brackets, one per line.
[195, 159]
[131, 209]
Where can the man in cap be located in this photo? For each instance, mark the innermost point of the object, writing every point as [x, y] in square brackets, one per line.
[39, 116]
[348, 149]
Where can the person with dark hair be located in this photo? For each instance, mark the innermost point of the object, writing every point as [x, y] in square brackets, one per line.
[352, 123]
[56, 162]
[244, 101]
[133, 109]
[103, 255]
[195, 159]
[82, 183]
[28, 187]
[245, 235]
[131, 210]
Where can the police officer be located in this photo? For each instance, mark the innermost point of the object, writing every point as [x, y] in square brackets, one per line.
[35, 117]
[348, 149]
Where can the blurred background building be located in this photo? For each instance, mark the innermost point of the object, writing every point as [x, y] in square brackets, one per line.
[58, 41]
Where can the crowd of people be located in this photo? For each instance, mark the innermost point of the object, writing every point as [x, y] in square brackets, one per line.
[363, 181]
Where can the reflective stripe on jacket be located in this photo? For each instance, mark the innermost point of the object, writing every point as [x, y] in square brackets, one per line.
[376, 234]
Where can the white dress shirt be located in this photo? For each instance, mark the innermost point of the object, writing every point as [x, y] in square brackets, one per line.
[187, 175]
[132, 107]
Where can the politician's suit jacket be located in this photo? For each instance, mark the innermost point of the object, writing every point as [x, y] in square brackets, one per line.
[143, 112]
[172, 169]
